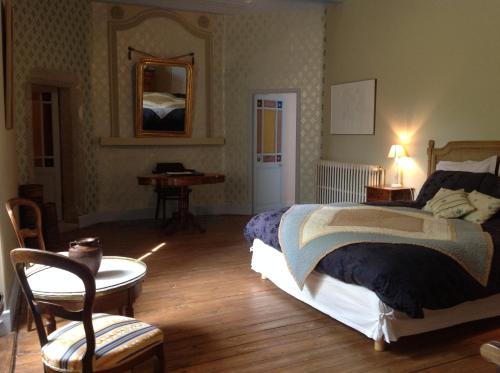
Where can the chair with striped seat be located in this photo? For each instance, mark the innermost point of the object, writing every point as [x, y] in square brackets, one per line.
[91, 342]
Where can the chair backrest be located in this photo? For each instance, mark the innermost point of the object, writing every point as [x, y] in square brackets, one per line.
[23, 233]
[21, 258]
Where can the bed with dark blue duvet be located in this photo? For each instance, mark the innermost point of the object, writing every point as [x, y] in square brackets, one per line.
[173, 121]
[407, 278]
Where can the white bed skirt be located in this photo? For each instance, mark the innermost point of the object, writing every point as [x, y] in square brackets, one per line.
[359, 307]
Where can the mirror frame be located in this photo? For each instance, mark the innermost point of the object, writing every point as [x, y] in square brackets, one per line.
[139, 89]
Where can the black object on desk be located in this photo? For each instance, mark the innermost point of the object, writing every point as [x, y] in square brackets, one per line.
[165, 193]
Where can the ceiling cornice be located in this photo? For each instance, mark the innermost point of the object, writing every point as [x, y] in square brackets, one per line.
[227, 6]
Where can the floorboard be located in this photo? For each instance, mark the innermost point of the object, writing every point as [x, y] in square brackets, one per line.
[6, 351]
[219, 316]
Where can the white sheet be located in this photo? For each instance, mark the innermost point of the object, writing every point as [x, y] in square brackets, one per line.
[359, 307]
[162, 103]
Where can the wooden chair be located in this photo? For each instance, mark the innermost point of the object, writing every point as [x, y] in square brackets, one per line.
[491, 352]
[24, 233]
[167, 193]
[34, 233]
[121, 342]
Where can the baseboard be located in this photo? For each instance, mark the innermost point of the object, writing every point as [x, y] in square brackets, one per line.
[222, 210]
[8, 317]
[5, 323]
[148, 213]
[107, 216]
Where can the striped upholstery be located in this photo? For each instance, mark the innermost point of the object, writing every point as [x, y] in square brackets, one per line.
[118, 339]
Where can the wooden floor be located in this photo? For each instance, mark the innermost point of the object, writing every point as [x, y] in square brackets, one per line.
[219, 316]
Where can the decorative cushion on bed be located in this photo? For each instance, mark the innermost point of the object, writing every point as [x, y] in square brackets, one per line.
[450, 204]
[486, 165]
[117, 340]
[486, 206]
[454, 180]
[441, 193]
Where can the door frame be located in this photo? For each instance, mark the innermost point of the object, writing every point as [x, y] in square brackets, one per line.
[56, 140]
[251, 136]
[70, 102]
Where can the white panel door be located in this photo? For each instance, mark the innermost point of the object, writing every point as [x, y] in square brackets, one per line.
[268, 152]
[46, 143]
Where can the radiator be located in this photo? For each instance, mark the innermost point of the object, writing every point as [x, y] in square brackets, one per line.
[345, 182]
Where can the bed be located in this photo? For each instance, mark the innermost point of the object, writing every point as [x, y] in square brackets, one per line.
[163, 111]
[344, 291]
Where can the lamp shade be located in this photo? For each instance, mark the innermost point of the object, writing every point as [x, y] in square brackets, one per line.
[397, 151]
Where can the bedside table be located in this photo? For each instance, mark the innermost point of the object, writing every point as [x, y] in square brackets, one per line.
[387, 193]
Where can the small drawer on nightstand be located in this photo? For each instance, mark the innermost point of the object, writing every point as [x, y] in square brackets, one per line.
[386, 193]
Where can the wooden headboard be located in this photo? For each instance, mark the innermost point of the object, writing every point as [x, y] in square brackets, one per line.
[459, 151]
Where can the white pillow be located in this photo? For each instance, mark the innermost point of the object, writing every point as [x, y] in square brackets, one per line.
[486, 206]
[486, 165]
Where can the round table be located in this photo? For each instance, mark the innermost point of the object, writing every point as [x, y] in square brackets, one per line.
[182, 219]
[118, 284]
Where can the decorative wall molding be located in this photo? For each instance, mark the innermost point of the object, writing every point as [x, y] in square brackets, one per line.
[231, 6]
[148, 213]
[161, 141]
[114, 26]
[107, 216]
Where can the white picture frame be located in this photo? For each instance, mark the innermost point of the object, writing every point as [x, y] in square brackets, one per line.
[353, 108]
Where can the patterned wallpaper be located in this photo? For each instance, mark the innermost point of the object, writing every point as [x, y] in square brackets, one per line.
[272, 51]
[260, 51]
[54, 35]
[250, 52]
[118, 189]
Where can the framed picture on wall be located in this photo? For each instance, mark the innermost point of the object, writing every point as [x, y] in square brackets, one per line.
[353, 108]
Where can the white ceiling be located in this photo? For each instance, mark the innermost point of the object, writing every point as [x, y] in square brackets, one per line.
[227, 6]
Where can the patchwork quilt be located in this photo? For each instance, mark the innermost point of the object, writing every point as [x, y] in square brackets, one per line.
[307, 233]
[405, 276]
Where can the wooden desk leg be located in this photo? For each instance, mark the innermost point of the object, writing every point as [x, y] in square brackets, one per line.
[131, 295]
[183, 219]
[191, 222]
[51, 324]
[129, 310]
[184, 206]
[188, 220]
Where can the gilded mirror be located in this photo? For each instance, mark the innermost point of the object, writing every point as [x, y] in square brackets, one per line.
[164, 90]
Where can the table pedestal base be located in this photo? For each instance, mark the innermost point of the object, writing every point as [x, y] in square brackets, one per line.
[120, 302]
[182, 219]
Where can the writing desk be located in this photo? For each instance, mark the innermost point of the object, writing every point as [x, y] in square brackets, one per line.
[182, 218]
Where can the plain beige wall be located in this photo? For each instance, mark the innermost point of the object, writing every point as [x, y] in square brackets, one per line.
[437, 65]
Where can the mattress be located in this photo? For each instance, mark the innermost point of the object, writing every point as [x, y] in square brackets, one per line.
[359, 307]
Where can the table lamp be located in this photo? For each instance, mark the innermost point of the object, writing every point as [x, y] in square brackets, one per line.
[397, 151]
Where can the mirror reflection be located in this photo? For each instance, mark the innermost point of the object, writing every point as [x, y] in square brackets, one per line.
[163, 105]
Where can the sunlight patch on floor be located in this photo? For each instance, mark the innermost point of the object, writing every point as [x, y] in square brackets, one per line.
[153, 250]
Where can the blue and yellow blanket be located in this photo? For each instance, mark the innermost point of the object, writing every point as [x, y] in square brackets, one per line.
[307, 233]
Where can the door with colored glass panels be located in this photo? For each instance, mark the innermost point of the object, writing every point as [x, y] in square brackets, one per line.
[267, 152]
